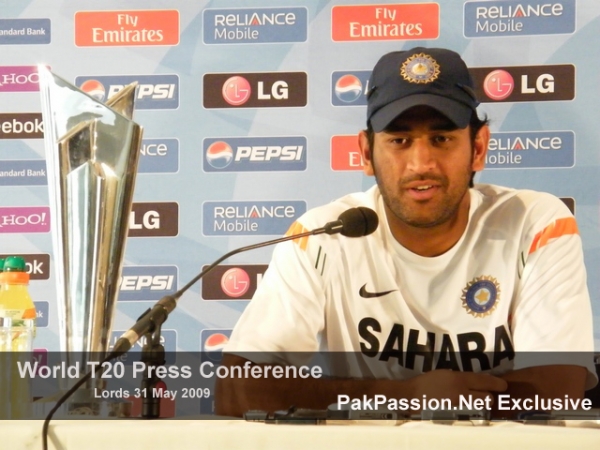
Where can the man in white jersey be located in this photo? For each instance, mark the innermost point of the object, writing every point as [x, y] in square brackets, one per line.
[462, 290]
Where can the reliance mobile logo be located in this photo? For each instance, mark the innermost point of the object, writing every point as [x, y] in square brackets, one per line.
[23, 172]
[126, 28]
[255, 154]
[19, 79]
[154, 219]
[25, 31]
[21, 126]
[153, 91]
[229, 282]
[345, 153]
[533, 149]
[385, 22]
[348, 88]
[524, 83]
[147, 283]
[159, 156]
[247, 218]
[255, 90]
[258, 26]
[519, 18]
[33, 219]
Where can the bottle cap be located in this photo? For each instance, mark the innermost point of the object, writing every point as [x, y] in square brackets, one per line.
[14, 271]
[14, 264]
[1, 264]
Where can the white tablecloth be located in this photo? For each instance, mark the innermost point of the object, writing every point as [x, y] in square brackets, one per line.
[139, 434]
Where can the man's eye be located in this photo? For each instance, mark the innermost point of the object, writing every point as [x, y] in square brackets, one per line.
[441, 139]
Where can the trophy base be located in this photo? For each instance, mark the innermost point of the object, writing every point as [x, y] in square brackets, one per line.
[82, 404]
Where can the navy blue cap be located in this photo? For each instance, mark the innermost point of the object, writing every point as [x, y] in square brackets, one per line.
[434, 77]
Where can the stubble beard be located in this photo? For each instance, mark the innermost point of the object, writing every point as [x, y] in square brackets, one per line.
[440, 214]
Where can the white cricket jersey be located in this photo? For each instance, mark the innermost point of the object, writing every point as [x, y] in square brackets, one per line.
[511, 293]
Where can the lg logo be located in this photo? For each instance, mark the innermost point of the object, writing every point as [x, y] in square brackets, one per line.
[235, 282]
[527, 83]
[237, 91]
[255, 90]
[232, 282]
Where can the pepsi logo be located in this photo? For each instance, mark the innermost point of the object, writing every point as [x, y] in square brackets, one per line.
[236, 91]
[348, 88]
[219, 155]
[498, 85]
[235, 282]
[94, 89]
[214, 344]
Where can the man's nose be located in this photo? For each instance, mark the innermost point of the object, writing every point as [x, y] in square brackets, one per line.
[421, 157]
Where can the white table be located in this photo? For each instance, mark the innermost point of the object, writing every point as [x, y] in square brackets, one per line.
[133, 434]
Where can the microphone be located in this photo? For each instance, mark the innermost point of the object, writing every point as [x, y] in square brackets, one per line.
[354, 222]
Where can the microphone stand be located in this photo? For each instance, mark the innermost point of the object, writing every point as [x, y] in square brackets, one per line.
[153, 355]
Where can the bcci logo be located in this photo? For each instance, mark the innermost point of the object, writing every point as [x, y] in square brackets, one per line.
[481, 296]
[420, 68]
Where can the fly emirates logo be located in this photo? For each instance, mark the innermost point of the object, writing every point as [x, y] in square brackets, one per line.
[126, 28]
[385, 22]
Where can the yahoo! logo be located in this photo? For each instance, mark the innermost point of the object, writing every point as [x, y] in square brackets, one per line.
[34, 219]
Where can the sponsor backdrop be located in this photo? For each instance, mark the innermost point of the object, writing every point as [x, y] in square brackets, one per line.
[250, 111]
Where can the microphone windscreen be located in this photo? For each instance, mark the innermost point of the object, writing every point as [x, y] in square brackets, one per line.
[357, 222]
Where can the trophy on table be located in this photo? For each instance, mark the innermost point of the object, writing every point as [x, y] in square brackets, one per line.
[92, 152]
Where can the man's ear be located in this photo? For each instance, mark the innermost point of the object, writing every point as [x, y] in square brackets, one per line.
[366, 153]
[480, 148]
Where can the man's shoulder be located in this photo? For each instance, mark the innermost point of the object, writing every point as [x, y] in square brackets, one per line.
[515, 203]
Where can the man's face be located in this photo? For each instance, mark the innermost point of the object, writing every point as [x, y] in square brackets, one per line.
[423, 166]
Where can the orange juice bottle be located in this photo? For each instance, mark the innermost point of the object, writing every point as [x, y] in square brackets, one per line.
[17, 313]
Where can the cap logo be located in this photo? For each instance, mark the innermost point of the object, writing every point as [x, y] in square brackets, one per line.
[420, 68]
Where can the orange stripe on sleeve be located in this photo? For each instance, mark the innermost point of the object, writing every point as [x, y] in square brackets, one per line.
[560, 227]
[297, 228]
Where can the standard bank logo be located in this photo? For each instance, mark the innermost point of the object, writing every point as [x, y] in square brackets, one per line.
[348, 88]
[250, 218]
[258, 25]
[153, 91]
[528, 150]
[25, 31]
[519, 18]
[24, 172]
[141, 283]
[255, 154]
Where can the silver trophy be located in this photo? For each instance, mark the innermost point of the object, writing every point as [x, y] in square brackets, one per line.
[92, 153]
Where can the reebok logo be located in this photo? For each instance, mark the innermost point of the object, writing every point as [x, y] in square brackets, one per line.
[366, 294]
